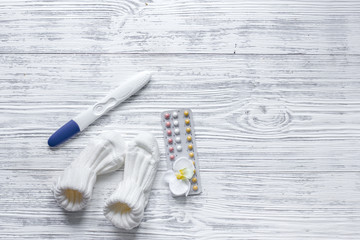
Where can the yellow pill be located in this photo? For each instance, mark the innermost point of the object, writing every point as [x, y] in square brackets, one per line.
[194, 180]
[188, 130]
[190, 147]
[191, 154]
[194, 164]
[186, 113]
[187, 121]
[195, 188]
[194, 171]
[188, 138]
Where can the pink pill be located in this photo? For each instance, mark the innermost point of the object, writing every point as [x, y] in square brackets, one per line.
[172, 157]
[168, 124]
[167, 115]
[171, 149]
[169, 132]
[170, 141]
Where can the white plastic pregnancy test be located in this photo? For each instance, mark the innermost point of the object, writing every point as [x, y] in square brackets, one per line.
[84, 119]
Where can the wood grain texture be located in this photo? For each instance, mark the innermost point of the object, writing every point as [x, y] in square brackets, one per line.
[180, 26]
[275, 91]
[253, 113]
[277, 138]
[237, 205]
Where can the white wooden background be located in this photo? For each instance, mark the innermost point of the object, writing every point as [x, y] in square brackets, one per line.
[275, 91]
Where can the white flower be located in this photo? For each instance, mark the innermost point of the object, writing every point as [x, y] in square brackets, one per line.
[178, 178]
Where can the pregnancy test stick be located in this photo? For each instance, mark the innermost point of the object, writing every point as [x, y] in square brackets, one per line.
[84, 119]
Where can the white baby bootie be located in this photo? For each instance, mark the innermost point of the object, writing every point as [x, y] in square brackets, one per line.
[125, 207]
[104, 154]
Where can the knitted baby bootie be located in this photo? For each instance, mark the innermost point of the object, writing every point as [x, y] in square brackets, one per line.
[125, 207]
[104, 154]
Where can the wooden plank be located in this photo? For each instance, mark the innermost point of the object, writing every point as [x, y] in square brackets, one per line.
[180, 26]
[253, 113]
[234, 205]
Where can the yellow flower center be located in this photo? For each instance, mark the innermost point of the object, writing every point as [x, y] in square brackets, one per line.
[181, 174]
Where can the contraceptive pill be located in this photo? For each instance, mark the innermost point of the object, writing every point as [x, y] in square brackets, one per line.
[180, 142]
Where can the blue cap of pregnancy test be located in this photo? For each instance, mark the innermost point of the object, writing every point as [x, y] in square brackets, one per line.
[64, 133]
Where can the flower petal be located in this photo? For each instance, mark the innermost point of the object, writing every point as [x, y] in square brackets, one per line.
[169, 175]
[185, 165]
[188, 173]
[179, 187]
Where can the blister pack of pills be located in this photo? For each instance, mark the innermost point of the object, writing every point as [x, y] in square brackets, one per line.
[181, 152]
